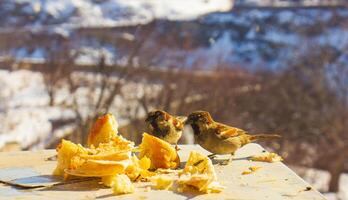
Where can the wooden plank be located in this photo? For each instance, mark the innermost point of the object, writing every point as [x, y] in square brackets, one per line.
[271, 181]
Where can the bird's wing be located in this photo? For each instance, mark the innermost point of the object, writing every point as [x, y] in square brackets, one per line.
[225, 132]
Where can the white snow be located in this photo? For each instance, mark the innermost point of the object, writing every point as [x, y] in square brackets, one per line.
[37, 55]
[251, 48]
[57, 9]
[26, 116]
[282, 38]
[336, 37]
[219, 52]
[92, 55]
[24, 126]
[285, 3]
[20, 90]
[285, 16]
[112, 12]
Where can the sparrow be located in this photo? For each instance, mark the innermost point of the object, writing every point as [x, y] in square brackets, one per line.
[219, 138]
[165, 126]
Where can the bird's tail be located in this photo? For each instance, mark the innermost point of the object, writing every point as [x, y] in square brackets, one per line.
[264, 136]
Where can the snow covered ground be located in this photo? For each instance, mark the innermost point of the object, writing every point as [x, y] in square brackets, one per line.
[284, 3]
[26, 117]
[87, 13]
[24, 114]
[253, 38]
[271, 38]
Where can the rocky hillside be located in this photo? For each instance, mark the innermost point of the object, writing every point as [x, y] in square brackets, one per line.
[174, 34]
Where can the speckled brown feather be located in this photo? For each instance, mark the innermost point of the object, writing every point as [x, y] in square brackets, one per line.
[165, 126]
[219, 138]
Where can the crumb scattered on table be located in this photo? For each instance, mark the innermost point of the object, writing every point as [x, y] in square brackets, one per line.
[267, 157]
[251, 170]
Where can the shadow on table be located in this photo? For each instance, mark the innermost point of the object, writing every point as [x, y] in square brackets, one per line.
[49, 182]
[85, 184]
[32, 182]
[188, 193]
[40, 180]
[219, 161]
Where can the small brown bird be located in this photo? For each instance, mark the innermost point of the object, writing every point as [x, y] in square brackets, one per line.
[165, 126]
[219, 138]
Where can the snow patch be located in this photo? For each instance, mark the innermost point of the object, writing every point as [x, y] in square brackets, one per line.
[90, 13]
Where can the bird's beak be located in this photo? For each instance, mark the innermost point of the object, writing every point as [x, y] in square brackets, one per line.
[188, 121]
[183, 119]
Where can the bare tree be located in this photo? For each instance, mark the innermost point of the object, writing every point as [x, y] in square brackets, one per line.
[307, 104]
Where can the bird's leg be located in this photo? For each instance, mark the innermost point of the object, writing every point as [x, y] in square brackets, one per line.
[212, 156]
[226, 162]
[231, 157]
[176, 147]
[51, 158]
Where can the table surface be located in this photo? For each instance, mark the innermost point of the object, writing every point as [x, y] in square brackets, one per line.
[271, 181]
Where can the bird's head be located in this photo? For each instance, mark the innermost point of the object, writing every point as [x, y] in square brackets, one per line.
[199, 117]
[156, 115]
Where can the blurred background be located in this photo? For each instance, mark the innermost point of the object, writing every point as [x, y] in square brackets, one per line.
[264, 66]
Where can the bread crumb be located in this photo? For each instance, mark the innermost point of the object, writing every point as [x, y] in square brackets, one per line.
[251, 170]
[267, 157]
[163, 182]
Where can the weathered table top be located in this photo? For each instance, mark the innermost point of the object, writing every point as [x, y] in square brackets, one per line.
[271, 181]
